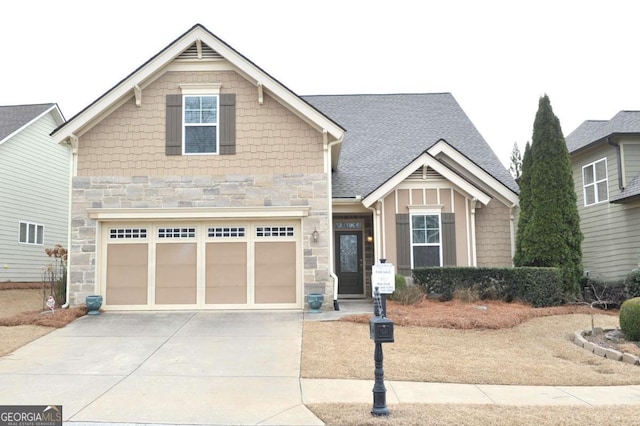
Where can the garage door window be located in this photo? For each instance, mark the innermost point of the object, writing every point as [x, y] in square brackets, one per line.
[127, 233]
[176, 232]
[274, 231]
[226, 232]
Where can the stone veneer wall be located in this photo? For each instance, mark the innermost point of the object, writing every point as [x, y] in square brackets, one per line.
[309, 190]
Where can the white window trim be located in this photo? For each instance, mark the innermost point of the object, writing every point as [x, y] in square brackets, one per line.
[595, 182]
[37, 225]
[430, 212]
[185, 124]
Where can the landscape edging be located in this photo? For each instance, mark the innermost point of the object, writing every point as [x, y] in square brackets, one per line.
[602, 351]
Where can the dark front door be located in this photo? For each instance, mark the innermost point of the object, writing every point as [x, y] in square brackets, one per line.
[349, 262]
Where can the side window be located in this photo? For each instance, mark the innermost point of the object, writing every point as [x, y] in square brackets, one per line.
[31, 233]
[425, 240]
[595, 182]
[200, 125]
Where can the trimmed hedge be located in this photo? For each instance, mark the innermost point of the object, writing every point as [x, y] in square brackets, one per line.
[536, 286]
[630, 319]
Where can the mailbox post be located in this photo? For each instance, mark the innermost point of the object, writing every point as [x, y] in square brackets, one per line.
[381, 331]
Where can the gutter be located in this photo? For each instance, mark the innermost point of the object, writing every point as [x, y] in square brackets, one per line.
[619, 160]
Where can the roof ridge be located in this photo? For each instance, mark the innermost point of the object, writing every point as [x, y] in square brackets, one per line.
[381, 94]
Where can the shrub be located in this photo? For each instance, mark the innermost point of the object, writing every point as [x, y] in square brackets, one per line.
[606, 294]
[632, 283]
[406, 294]
[536, 286]
[630, 318]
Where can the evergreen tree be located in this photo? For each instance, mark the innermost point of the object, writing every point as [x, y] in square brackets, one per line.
[515, 167]
[549, 227]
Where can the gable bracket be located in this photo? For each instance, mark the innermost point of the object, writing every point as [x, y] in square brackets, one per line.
[260, 94]
[137, 91]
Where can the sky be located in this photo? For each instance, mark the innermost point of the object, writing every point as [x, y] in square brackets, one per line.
[497, 58]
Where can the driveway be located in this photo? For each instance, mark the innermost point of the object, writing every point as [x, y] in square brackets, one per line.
[165, 367]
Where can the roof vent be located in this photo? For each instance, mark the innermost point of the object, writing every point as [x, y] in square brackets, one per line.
[425, 173]
[192, 53]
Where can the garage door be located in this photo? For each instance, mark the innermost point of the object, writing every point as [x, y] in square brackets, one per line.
[201, 265]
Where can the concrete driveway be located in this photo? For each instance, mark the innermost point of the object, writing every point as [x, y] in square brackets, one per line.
[171, 368]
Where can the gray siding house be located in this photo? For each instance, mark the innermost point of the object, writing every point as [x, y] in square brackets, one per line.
[34, 190]
[605, 156]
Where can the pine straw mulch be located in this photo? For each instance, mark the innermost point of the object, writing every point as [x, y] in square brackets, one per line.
[58, 319]
[459, 315]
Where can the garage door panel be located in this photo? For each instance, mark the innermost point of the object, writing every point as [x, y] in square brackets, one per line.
[226, 273]
[275, 272]
[176, 273]
[127, 274]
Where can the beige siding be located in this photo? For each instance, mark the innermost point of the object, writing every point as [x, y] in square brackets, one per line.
[630, 150]
[493, 235]
[131, 141]
[611, 246]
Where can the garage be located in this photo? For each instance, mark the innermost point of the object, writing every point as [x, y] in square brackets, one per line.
[248, 264]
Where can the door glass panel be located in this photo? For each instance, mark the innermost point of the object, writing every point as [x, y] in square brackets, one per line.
[348, 253]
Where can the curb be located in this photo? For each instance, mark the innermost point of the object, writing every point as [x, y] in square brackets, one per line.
[602, 351]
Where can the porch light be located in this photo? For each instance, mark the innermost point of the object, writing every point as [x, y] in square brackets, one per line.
[369, 238]
[314, 235]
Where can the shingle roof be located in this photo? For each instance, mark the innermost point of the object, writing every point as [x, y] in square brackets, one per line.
[386, 132]
[14, 117]
[592, 131]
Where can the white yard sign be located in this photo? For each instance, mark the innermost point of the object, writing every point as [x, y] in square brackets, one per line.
[383, 276]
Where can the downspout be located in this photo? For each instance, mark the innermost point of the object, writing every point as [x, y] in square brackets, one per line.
[73, 152]
[619, 160]
[328, 145]
[512, 230]
[474, 258]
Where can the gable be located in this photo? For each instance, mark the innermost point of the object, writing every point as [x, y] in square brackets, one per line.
[269, 137]
[196, 50]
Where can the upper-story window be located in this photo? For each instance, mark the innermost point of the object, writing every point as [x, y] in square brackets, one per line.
[595, 182]
[200, 124]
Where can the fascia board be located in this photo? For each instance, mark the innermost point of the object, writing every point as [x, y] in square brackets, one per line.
[495, 184]
[54, 110]
[430, 161]
[124, 89]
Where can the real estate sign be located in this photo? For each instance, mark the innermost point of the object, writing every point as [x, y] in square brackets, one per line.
[383, 276]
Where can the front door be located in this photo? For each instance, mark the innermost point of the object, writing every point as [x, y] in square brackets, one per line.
[349, 262]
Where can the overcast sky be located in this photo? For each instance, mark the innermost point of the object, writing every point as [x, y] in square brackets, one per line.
[496, 57]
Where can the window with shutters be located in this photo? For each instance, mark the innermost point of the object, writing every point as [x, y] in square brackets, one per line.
[426, 246]
[200, 133]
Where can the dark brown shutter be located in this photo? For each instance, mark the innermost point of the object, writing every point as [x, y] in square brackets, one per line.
[448, 239]
[403, 244]
[173, 125]
[227, 124]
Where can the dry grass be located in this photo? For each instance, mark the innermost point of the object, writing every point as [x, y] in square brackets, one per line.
[22, 319]
[537, 351]
[472, 415]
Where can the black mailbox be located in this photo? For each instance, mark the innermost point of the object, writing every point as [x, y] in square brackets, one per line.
[381, 330]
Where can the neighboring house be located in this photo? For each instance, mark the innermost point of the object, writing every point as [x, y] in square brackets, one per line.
[201, 182]
[605, 157]
[34, 190]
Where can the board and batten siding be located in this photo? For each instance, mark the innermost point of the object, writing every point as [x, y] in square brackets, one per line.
[610, 248]
[630, 151]
[34, 187]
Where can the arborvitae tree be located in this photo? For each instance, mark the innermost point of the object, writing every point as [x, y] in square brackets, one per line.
[549, 227]
[525, 203]
[515, 166]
